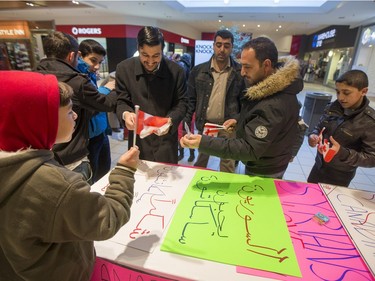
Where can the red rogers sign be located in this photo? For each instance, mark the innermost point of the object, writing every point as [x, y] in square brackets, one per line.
[84, 30]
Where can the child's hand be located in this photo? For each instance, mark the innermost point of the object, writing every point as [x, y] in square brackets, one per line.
[130, 158]
[110, 85]
[335, 145]
[314, 140]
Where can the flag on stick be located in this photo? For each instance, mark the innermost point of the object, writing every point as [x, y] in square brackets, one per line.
[136, 108]
[148, 124]
[211, 129]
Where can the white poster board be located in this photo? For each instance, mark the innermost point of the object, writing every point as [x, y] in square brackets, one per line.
[158, 189]
[356, 210]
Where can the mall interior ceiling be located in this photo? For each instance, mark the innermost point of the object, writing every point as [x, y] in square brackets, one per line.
[269, 17]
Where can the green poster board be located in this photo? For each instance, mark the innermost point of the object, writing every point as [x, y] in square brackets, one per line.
[233, 219]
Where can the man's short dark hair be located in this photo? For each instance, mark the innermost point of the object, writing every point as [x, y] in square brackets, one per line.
[89, 46]
[225, 34]
[151, 36]
[354, 78]
[58, 45]
[264, 49]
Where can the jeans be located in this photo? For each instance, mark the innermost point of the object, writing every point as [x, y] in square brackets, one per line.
[330, 176]
[278, 175]
[226, 165]
[99, 156]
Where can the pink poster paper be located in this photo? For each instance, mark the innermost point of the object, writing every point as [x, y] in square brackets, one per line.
[324, 251]
[107, 271]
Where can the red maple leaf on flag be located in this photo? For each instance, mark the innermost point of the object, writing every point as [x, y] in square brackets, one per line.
[149, 124]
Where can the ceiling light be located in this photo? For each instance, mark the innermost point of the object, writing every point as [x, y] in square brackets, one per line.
[243, 25]
[75, 2]
[30, 4]
[277, 30]
[258, 25]
[226, 2]
[279, 26]
[219, 20]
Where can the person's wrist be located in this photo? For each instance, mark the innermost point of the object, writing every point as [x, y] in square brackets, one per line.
[124, 114]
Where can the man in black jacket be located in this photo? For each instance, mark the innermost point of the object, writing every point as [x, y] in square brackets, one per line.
[267, 126]
[62, 54]
[158, 86]
[215, 90]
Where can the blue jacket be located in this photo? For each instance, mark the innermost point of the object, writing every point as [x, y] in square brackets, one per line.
[99, 122]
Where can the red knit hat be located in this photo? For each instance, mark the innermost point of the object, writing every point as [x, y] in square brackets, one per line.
[29, 106]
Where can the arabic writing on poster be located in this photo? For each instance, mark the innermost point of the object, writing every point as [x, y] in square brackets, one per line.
[232, 219]
[158, 189]
[356, 210]
[324, 251]
[106, 271]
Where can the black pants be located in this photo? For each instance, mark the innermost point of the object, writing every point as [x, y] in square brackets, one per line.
[330, 176]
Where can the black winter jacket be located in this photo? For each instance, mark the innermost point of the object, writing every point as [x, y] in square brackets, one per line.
[86, 101]
[267, 127]
[163, 94]
[354, 132]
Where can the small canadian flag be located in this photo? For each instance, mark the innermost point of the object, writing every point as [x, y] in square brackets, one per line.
[211, 129]
[148, 124]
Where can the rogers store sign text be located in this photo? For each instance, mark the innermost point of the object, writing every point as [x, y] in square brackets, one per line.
[86, 30]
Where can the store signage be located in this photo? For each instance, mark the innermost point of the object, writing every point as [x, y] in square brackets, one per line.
[185, 40]
[203, 51]
[320, 38]
[14, 30]
[86, 30]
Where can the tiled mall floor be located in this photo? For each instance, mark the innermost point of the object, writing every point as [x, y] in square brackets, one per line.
[298, 170]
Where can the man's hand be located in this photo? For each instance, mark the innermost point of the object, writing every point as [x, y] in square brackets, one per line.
[190, 142]
[164, 129]
[129, 118]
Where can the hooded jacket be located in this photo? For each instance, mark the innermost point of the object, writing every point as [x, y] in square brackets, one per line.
[86, 101]
[267, 126]
[48, 216]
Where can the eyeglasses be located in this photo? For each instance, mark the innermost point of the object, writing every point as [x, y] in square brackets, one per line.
[226, 45]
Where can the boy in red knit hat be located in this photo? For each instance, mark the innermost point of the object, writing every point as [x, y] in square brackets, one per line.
[48, 216]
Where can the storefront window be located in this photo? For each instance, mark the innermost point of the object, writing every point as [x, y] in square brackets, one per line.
[326, 66]
[365, 57]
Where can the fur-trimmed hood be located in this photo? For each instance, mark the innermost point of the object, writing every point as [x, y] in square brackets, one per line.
[280, 80]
